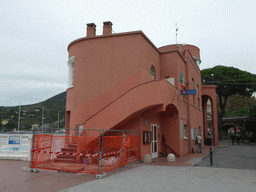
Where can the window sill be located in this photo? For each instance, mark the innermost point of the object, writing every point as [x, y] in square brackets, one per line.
[186, 138]
[185, 100]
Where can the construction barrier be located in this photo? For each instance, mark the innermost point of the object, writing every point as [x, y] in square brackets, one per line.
[82, 154]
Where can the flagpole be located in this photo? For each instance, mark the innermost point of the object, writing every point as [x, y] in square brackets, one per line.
[176, 36]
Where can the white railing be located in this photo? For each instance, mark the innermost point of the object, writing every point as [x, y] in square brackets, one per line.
[15, 146]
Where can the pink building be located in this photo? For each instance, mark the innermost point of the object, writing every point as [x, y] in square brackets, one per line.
[122, 81]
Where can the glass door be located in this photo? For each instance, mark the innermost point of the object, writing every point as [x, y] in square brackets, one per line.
[154, 151]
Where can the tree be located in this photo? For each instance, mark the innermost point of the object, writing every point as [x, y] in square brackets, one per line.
[229, 81]
[238, 105]
[251, 122]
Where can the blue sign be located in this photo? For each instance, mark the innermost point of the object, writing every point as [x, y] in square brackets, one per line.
[14, 140]
[188, 92]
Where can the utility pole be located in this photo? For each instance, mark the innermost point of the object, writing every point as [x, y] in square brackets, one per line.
[19, 119]
[43, 121]
[58, 120]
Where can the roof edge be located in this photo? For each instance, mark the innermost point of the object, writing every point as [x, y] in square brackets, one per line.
[114, 35]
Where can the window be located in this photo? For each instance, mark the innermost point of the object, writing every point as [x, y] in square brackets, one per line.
[193, 83]
[193, 133]
[147, 138]
[153, 73]
[198, 102]
[80, 128]
[181, 129]
[71, 66]
[185, 132]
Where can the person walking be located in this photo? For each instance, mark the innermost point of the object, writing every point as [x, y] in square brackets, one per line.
[199, 143]
[233, 139]
[238, 139]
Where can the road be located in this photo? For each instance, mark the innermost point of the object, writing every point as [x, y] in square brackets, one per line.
[232, 156]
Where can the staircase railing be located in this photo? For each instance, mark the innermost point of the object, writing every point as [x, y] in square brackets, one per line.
[166, 146]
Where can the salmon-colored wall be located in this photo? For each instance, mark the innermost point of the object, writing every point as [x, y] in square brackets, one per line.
[209, 91]
[113, 88]
[195, 51]
[171, 131]
[100, 64]
[140, 98]
[89, 109]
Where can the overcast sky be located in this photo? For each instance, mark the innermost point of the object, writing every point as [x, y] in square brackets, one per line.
[34, 35]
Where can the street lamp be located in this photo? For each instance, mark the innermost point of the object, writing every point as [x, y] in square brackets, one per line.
[212, 75]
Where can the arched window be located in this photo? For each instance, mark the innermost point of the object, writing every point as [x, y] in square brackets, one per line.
[153, 73]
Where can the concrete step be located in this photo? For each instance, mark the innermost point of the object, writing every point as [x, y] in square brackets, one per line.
[66, 156]
[68, 150]
[60, 160]
[72, 145]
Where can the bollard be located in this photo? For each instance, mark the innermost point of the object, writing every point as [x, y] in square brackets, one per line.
[211, 163]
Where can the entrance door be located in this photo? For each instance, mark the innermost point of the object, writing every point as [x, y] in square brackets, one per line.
[154, 151]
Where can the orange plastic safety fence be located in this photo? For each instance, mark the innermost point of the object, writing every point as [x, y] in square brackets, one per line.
[128, 147]
[81, 154]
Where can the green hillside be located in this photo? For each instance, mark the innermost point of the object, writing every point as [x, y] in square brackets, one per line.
[32, 114]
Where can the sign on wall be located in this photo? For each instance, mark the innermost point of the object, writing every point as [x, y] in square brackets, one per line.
[188, 92]
[14, 140]
[181, 129]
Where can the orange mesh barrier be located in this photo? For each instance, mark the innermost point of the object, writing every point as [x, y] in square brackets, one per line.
[42, 142]
[81, 154]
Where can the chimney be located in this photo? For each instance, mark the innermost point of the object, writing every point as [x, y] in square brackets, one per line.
[107, 28]
[91, 30]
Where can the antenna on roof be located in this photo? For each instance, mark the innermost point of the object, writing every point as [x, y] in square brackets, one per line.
[176, 35]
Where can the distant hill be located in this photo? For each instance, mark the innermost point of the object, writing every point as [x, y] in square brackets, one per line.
[32, 114]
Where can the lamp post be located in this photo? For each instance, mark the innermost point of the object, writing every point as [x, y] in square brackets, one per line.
[19, 119]
[58, 120]
[43, 121]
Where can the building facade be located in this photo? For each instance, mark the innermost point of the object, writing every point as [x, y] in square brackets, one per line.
[122, 81]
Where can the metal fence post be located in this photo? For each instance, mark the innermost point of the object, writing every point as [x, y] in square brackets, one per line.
[121, 150]
[100, 152]
[211, 163]
[32, 148]
[8, 153]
